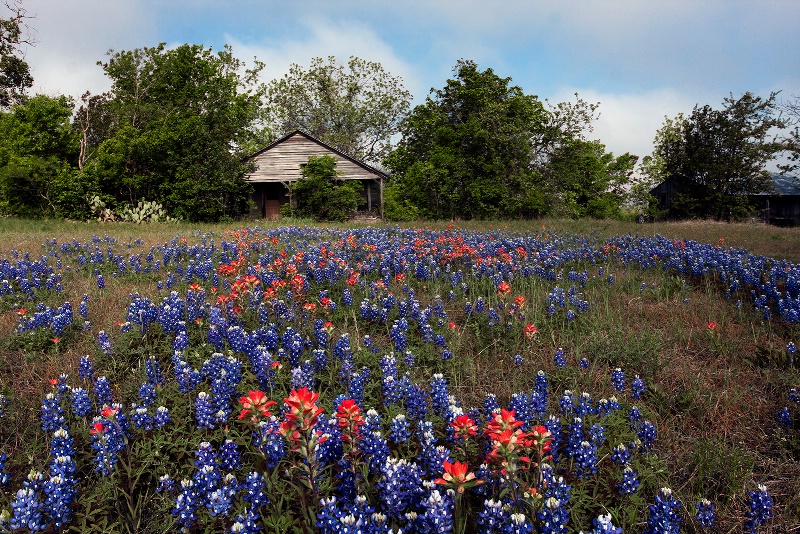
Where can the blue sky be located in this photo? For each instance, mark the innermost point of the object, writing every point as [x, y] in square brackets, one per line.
[642, 60]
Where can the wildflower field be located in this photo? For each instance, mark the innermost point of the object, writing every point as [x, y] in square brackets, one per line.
[458, 378]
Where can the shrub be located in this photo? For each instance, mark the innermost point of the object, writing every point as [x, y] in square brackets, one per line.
[318, 194]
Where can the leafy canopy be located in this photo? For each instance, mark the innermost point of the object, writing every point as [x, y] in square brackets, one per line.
[718, 157]
[38, 151]
[466, 151]
[15, 76]
[175, 125]
[355, 108]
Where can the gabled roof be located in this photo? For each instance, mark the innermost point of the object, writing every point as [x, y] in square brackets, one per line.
[324, 145]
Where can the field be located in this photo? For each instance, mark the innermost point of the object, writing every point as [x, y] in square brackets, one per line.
[467, 377]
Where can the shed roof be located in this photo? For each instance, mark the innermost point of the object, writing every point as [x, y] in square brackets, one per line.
[350, 162]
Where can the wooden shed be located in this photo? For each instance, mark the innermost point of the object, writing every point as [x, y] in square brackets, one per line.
[279, 164]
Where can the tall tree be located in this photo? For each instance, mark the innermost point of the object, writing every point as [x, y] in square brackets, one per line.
[791, 112]
[38, 152]
[355, 108]
[466, 151]
[586, 181]
[15, 76]
[176, 121]
[722, 153]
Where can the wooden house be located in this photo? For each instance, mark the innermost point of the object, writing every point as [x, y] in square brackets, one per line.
[280, 163]
[780, 207]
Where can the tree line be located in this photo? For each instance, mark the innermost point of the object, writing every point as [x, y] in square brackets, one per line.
[177, 125]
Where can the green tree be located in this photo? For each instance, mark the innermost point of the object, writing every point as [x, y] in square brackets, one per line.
[466, 151]
[38, 153]
[720, 156]
[355, 108]
[586, 181]
[323, 197]
[176, 125]
[15, 76]
[791, 143]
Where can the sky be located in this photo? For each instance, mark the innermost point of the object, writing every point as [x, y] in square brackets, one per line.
[641, 60]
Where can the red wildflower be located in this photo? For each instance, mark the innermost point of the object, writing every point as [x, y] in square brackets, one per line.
[530, 331]
[711, 325]
[255, 405]
[519, 301]
[503, 289]
[302, 415]
[501, 422]
[55, 340]
[349, 419]
[464, 427]
[21, 311]
[97, 428]
[108, 412]
[456, 477]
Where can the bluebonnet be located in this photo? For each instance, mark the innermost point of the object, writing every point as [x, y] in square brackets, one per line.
[638, 387]
[440, 401]
[52, 413]
[784, 417]
[760, 508]
[85, 371]
[102, 391]
[147, 394]
[229, 456]
[104, 342]
[559, 359]
[553, 516]
[586, 459]
[255, 487]
[584, 363]
[4, 477]
[618, 379]
[492, 518]
[664, 517]
[153, 371]
[566, 403]
[187, 503]
[27, 510]
[705, 513]
[630, 481]
[400, 486]
[162, 417]
[399, 429]
[438, 516]
[620, 454]
[141, 417]
[647, 434]
[269, 441]
[204, 412]
[602, 524]
[584, 407]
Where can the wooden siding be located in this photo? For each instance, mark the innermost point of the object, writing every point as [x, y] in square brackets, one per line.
[282, 161]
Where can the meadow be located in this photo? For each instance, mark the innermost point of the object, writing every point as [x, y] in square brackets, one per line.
[520, 376]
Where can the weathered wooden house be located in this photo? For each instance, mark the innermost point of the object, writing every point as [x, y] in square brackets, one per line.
[780, 207]
[280, 163]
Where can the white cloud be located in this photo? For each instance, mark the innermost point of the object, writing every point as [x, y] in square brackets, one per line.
[628, 122]
[325, 38]
[73, 35]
